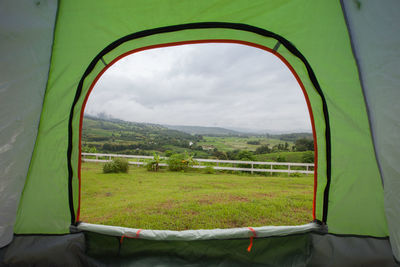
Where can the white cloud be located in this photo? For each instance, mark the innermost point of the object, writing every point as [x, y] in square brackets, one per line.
[224, 85]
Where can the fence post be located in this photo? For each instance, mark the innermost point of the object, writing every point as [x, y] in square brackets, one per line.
[252, 168]
[306, 167]
[288, 169]
[271, 170]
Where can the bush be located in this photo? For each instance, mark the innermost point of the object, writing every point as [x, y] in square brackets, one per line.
[176, 162]
[263, 149]
[281, 158]
[180, 162]
[168, 153]
[295, 174]
[308, 157]
[209, 170]
[154, 164]
[89, 149]
[116, 165]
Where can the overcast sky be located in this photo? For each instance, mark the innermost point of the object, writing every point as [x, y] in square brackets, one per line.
[224, 85]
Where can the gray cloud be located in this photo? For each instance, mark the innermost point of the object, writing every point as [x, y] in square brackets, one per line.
[223, 85]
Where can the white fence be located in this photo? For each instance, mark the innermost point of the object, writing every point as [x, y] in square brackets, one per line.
[216, 164]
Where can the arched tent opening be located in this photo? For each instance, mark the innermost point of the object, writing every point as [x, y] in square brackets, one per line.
[286, 48]
[344, 53]
[285, 68]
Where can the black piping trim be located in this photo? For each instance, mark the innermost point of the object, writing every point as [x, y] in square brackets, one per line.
[47, 234]
[276, 47]
[102, 60]
[352, 235]
[361, 78]
[204, 25]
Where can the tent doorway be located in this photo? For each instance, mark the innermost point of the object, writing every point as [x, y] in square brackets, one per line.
[179, 106]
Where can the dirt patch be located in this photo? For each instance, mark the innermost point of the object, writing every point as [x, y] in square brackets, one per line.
[128, 210]
[169, 204]
[192, 212]
[264, 195]
[205, 201]
[209, 200]
[238, 198]
[189, 188]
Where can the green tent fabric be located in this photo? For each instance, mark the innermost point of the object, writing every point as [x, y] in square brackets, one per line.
[345, 54]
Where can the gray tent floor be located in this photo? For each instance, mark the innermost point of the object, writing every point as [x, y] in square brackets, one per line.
[94, 249]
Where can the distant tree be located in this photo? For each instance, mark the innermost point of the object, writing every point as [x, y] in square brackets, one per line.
[304, 144]
[263, 149]
[281, 158]
[308, 157]
[233, 154]
[89, 149]
[220, 155]
[246, 155]
[253, 142]
[168, 153]
[198, 137]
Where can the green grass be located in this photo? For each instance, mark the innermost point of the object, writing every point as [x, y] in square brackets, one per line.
[193, 200]
[289, 156]
[231, 143]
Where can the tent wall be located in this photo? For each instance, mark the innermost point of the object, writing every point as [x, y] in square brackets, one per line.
[26, 37]
[374, 27]
[316, 28]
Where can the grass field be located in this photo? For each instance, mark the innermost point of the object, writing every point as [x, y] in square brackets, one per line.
[192, 200]
[289, 156]
[225, 143]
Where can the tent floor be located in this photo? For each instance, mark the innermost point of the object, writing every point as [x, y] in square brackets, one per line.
[93, 249]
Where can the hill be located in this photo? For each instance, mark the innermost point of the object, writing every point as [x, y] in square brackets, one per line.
[202, 130]
[113, 135]
[117, 136]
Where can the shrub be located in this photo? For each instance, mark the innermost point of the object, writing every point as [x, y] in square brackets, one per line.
[176, 162]
[295, 174]
[154, 164]
[263, 149]
[168, 153]
[116, 165]
[281, 158]
[89, 149]
[209, 170]
[308, 157]
[180, 162]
